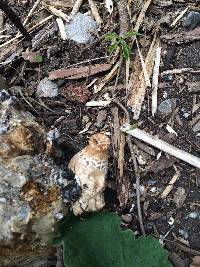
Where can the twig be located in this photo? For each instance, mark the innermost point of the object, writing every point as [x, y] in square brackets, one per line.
[95, 12]
[100, 103]
[108, 77]
[58, 13]
[179, 71]
[61, 27]
[179, 17]
[123, 17]
[142, 15]
[155, 79]
[162, 145]
[30, 30]
[76, 7]
[137, 85]
[133, 157]
[169, 188]
[31, 12]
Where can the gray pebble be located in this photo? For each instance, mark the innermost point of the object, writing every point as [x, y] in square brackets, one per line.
[192, 20]
[81, 29]
[167, 106]
[47, 88]
[196, 127]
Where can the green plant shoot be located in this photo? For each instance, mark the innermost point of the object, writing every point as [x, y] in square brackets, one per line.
[120, 41]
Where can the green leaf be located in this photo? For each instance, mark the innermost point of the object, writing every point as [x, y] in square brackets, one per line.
[131, 34]
[113, 47]
[99, 241]
[111, 36]
[38, 59]
[126, 50]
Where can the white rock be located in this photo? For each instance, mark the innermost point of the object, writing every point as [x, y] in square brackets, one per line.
[47, 88]
[81, 29]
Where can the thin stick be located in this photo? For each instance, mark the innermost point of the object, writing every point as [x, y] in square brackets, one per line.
[179, 17]
[162, 145]
[76, 7]
[133, 157]
[58, 13]
[155, 80]
[61, 27]
[95, 12]
[30, 30]
[31, 12]
[170, 186]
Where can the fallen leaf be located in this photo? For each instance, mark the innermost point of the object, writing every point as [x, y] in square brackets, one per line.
[33, 57]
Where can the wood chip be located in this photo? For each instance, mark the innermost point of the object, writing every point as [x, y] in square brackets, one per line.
[137, 85]
[78, 73]
[170, 186]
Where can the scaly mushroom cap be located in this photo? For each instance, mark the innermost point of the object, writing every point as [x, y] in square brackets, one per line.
[99, 141]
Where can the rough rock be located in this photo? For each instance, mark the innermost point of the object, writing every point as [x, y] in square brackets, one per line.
[167, 106]
[47, 88]
[30, 195]
[192, 20]
[81, 29]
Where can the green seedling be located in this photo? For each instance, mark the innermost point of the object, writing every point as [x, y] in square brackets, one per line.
[120, 42]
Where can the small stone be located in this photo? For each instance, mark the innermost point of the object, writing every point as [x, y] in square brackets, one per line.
[193, 215]
[47, 88]
[127, 218]
[184, 233]
[192, 20]
[52, 51]
[171, 221]
[167, 106]
[81, 29]
[59, 216]
[179, 197]
[76, 93]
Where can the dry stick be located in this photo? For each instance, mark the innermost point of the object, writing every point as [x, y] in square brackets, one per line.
[61, 27]
[58, 13]
[162, 145]
[133, 157]
[30, 30]
[155, 79]
[179, 17]
[76, 7]
[179, 71]
[95, 12]
[31, 11]
[169, 187]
